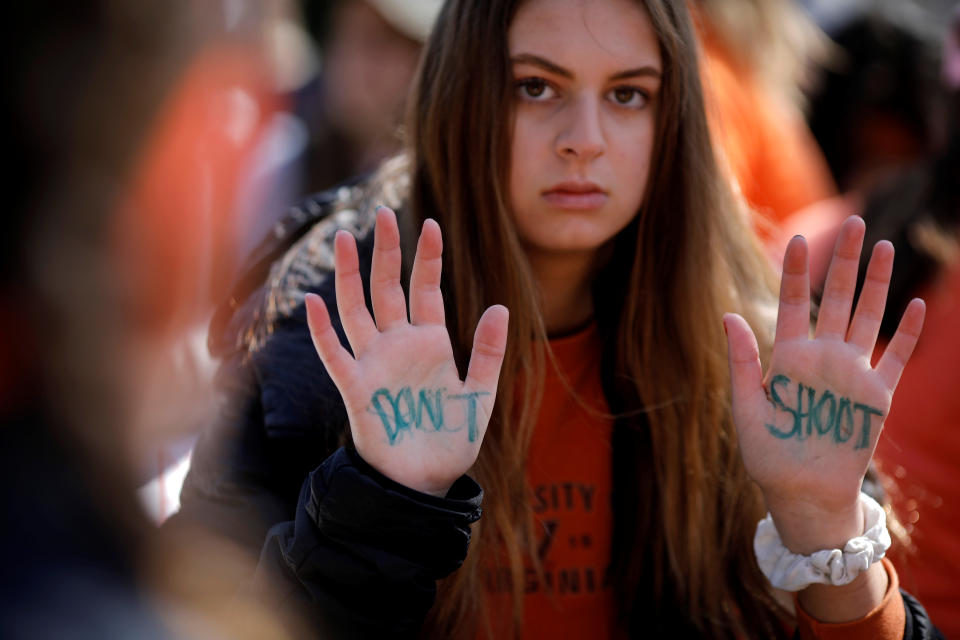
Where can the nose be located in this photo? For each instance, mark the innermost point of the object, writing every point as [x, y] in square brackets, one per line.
[581, 137]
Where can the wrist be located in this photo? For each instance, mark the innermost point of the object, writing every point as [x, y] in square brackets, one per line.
[411, 476]
[797, 568]
[435, 490]
[806, 527]
[435, 487]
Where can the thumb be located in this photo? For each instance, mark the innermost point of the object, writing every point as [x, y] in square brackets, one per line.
[337, 360]
[746, 373]
[489, 346]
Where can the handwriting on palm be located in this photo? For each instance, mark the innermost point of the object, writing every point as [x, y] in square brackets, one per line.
[411, 416]
[808, 428]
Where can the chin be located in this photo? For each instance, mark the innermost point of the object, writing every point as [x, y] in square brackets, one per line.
[578, 244]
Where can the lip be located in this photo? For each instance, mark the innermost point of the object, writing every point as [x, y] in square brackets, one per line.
[576, 196]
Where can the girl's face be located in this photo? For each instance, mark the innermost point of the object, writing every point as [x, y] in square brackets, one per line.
[586, 73]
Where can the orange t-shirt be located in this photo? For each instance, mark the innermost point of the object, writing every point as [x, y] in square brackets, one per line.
[570, 472]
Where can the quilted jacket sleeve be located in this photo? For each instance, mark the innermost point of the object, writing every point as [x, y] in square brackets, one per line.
[364, 553]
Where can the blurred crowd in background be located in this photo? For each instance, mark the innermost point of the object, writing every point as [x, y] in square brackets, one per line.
[156, 144]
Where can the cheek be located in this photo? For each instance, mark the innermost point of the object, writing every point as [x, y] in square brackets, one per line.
[631, 158]
[521, 162]
[530, 155]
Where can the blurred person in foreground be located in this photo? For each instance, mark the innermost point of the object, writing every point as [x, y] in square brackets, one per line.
[130, 123]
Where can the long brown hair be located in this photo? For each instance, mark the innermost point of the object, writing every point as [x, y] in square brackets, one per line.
[684, 507]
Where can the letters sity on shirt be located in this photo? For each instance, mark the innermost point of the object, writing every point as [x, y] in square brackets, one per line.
[825, 415]
[402, 412]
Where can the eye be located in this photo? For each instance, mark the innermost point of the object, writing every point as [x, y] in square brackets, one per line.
[631, 97]
[535, 89]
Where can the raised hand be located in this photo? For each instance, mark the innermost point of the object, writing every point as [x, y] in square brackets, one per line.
[411, 416]
[808, 429]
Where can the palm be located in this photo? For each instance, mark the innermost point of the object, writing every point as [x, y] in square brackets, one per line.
[411, 416]
[418, 359]
[823, 459]
[808, 428]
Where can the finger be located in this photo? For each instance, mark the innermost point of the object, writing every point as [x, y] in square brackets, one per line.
[746, 373]
[389, 303]
[841, 282]
[489, 347]
[793, 317]
[351, 305]
[337, 360]
[873, 298]
[898, 352]
[426, 300]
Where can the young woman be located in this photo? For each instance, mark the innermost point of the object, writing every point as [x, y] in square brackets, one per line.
[560, 149]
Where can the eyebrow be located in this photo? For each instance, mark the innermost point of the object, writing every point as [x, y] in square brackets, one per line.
[543, 63]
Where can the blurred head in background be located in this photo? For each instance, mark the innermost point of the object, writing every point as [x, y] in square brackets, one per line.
[878, 105]
[370, 50]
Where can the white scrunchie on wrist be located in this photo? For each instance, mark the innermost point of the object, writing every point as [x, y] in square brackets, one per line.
[792, 572]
